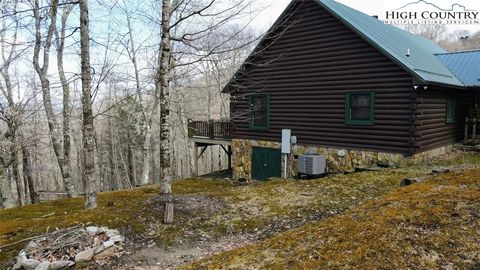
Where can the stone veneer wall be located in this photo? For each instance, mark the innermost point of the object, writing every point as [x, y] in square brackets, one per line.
[242, 152]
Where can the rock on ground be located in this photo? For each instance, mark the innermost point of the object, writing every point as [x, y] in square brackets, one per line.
[85, 255]
[30, 264]
[117, 239]
[92, 229]
[108, 252]
[56, 265]
[45, 265]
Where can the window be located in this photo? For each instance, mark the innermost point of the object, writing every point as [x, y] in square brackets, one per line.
[359, 108]
[450, 109]
[259, 111]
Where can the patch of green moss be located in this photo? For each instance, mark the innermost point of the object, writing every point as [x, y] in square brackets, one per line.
[432, 225]
[193, 185]
[116, 210]
[249, 208]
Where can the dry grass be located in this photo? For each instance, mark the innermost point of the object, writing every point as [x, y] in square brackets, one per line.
[432, 225]
[262, 209]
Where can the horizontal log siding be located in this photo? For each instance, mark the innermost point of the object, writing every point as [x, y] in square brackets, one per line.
[308, 69]
[432, 130]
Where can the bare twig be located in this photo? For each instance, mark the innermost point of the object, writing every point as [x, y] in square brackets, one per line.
[47, 215]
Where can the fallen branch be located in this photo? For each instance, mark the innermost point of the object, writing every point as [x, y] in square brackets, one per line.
[35, 237]
[47, 215]
[20, 241]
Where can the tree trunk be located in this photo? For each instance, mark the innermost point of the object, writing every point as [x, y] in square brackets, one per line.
[147, 156]
[27, 174]
[162, 80]
[161, 85]
[2, 200]
[87, 127]
[111, 157]
[110, 144]
[13, 120]
[54, 129]
[168, 215]
[132, 170]
[6, 188]
[15, 163]
[67, 167]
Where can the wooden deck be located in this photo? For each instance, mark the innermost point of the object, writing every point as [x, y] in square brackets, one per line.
[210, 133]
[212, 129]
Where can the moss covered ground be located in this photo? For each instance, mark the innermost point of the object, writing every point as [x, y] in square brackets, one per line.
[213, 209]
[431, 225]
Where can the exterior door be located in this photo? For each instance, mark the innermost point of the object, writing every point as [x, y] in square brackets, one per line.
[266, 163]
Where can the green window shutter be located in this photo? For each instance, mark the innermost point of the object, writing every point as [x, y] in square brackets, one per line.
[360, 108]
[259, 106]
[450, 111]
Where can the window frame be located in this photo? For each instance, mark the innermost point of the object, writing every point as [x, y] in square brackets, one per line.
[251, 123]
[348, 109]
[450, 105]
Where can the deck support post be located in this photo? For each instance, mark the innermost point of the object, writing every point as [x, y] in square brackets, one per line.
[210, 133]
[196, 159]
[474, 130]
[229, 157]
[465, 137]
[228, 151]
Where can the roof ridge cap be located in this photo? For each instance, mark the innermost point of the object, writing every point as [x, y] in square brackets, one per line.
[458, 52]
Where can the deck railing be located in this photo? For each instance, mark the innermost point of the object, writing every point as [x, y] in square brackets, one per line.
[210, 129]
[471, 127]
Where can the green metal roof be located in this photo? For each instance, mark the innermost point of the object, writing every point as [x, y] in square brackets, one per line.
[396, 44]
[424, 62]
[465, 65]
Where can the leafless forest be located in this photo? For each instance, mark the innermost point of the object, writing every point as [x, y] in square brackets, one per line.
[96, 96]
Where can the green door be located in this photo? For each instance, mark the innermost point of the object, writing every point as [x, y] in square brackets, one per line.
[266, 163]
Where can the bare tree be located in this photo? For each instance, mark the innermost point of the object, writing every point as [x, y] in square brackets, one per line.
[462, 40]
[13, 112]
[42, 71]
[87, 126]
[192, 44]
[147, 112]
[434, 32]
[161, 86]
[10, 112]
[66, 113]
[193, 35]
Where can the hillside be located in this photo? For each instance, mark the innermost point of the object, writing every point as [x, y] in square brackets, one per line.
[213, 216]
[432, 225]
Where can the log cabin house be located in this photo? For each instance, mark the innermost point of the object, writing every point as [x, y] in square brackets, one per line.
[350, 88]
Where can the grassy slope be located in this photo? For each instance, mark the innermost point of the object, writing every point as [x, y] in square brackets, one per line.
[250, 208]
[432, 225]
[256, 208]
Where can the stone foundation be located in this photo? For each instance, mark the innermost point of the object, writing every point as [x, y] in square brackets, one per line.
[428, 155]
[338, 160]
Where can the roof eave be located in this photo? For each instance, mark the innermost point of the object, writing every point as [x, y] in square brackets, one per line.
[228, 87]
[446, 85]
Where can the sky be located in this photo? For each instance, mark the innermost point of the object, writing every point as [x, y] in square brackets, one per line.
[370, 7]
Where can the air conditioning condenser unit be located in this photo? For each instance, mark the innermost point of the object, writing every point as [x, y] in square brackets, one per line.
[311, 165]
